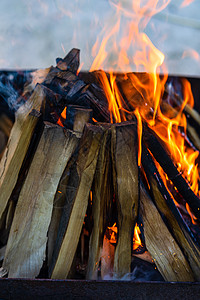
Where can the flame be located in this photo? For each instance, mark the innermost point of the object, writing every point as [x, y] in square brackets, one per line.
[186, 3]
[136, 237]
[62, 117]
[113, 235]
[143, 94]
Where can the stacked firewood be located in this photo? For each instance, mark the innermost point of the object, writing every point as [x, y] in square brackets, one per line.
[49, 174]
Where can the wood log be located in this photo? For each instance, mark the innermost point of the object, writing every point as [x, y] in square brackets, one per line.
[102, 197]
[168, 209]
[6, 124]
[79, 121]
[124, 151]
[26, 245]
[78, 199]
[163, 248]
[77, 117]
[26, 119]
[154, 145]
[70, 61]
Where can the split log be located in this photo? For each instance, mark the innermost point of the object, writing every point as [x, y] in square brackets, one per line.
[77, 117]
[163, 248]
[168, 209]
[70, 61]
[125, 169]
[26, 119]
[78, 199]
[27, 240]
[162, 157]
[102, 197]
[6, 124]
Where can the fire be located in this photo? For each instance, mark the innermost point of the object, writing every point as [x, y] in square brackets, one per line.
[136, 50]
[186, 3]
[62, 117]
[136, 238]
[113, 236]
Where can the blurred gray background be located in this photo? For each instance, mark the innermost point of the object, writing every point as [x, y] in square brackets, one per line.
[34, 32]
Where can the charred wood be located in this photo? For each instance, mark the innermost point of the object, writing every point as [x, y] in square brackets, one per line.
[171, 215]
[162, 157]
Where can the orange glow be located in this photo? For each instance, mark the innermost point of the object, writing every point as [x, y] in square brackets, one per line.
[143, 94]
[191, 53]
[136, 237]
[186, 3]
[79, 69]
[113, 235]
[63, 117]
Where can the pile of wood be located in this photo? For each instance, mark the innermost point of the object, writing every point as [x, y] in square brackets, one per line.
[49, 175]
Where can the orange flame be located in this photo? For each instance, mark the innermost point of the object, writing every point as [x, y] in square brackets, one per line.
[186, 3]
[135, 50]
[62, 117]
[113, 230]
[136, 237]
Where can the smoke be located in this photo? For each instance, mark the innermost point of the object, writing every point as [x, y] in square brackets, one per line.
[9, 94]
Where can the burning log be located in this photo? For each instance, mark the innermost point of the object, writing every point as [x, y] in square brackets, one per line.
[164, 250]
[26, 119]
[167, 208]
[26, 245]
[70, 62]
[85, 169]
[169, 168]
[124, 139]
[101, 204]
[77, 117]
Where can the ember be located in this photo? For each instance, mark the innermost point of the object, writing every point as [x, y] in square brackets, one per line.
[101, 168]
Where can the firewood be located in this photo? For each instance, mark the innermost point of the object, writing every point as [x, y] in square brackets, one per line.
[164, 250]
[77, 117]
[26, 119]
[79, 121]
[101, 205]
[154, 145]
[193, 114]
[6, 124]
[26, 245]
[70, 61]
[124, 139]
[193, 136]
[79, 189]
[168, 209]
[3, 142]
[58, 205]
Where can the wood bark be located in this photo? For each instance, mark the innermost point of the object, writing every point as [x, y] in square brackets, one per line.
[167, 208]
[163, 248]
[26, 245]
[26, 119]
[78, 199]
[125, 169]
